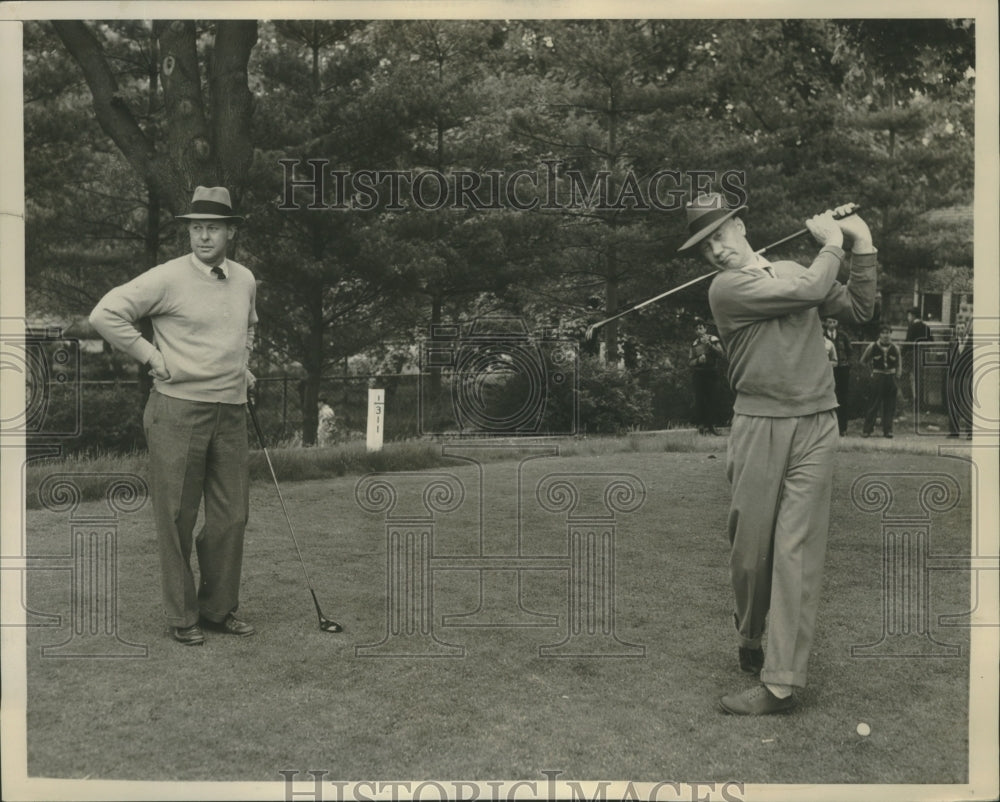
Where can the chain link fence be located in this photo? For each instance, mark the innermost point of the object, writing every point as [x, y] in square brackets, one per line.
[99, 416]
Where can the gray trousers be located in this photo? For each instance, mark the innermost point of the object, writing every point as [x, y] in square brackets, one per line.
[781, 473]
[198, 450]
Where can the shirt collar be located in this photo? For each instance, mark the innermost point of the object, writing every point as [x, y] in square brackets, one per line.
[207, 269]
[761, 264]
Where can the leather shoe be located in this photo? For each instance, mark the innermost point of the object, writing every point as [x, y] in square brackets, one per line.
[757, 701]
[751, 660]
[230, 625]
[189, 636]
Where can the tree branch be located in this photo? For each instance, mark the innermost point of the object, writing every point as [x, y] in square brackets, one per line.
[112, 114]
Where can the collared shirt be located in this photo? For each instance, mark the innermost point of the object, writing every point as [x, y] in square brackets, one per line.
[831, 350]
[760, 263]
[207, 269]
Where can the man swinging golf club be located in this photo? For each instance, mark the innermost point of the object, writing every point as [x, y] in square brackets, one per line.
[784, 432]
[202, 307]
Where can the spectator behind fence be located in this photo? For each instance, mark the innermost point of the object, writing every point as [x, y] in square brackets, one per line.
[916, 332]
[327, 423]
[840, 344]
[831, 350]
[883, 358]
[959, 387]
[703, 356]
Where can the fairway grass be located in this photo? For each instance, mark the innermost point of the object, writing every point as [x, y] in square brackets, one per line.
[295, 698]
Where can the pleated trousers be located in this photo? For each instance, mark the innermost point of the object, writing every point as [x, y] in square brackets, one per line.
[781, 474]
[198, 450]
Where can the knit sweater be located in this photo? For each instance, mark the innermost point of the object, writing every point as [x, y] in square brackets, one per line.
[773, 334]
[202, 326]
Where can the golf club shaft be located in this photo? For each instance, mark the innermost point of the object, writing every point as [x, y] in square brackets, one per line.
[685, 285]
[281, 499]
[647, 302]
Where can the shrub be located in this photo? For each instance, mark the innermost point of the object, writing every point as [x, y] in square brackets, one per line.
[611, 400]
[108, 416]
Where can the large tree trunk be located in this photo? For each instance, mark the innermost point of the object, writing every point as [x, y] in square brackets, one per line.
[188, 142]
[150, 259]
[232, 101]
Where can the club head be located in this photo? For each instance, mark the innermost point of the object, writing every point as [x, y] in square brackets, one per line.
[326, 625]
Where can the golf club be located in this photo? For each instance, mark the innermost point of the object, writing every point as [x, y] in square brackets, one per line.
[591, 329]
[325, 624]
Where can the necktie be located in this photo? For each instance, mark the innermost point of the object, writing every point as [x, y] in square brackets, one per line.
[217, 272]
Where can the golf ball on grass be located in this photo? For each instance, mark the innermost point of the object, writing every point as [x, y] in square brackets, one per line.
[864, 730]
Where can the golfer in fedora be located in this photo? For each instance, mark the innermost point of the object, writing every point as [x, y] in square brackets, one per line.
[202, 309]
[784, 432]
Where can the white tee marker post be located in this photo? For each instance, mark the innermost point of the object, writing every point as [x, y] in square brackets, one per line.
[376, 419]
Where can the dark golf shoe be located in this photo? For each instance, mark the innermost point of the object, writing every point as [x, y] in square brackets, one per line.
[189, 636]
[751, 660]
[758, 701]
[230, 625]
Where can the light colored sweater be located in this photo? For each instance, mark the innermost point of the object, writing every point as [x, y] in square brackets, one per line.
[202, 325]
[773, 333]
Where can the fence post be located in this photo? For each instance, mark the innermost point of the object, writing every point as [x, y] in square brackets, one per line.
[376, 412]
[284, 404]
